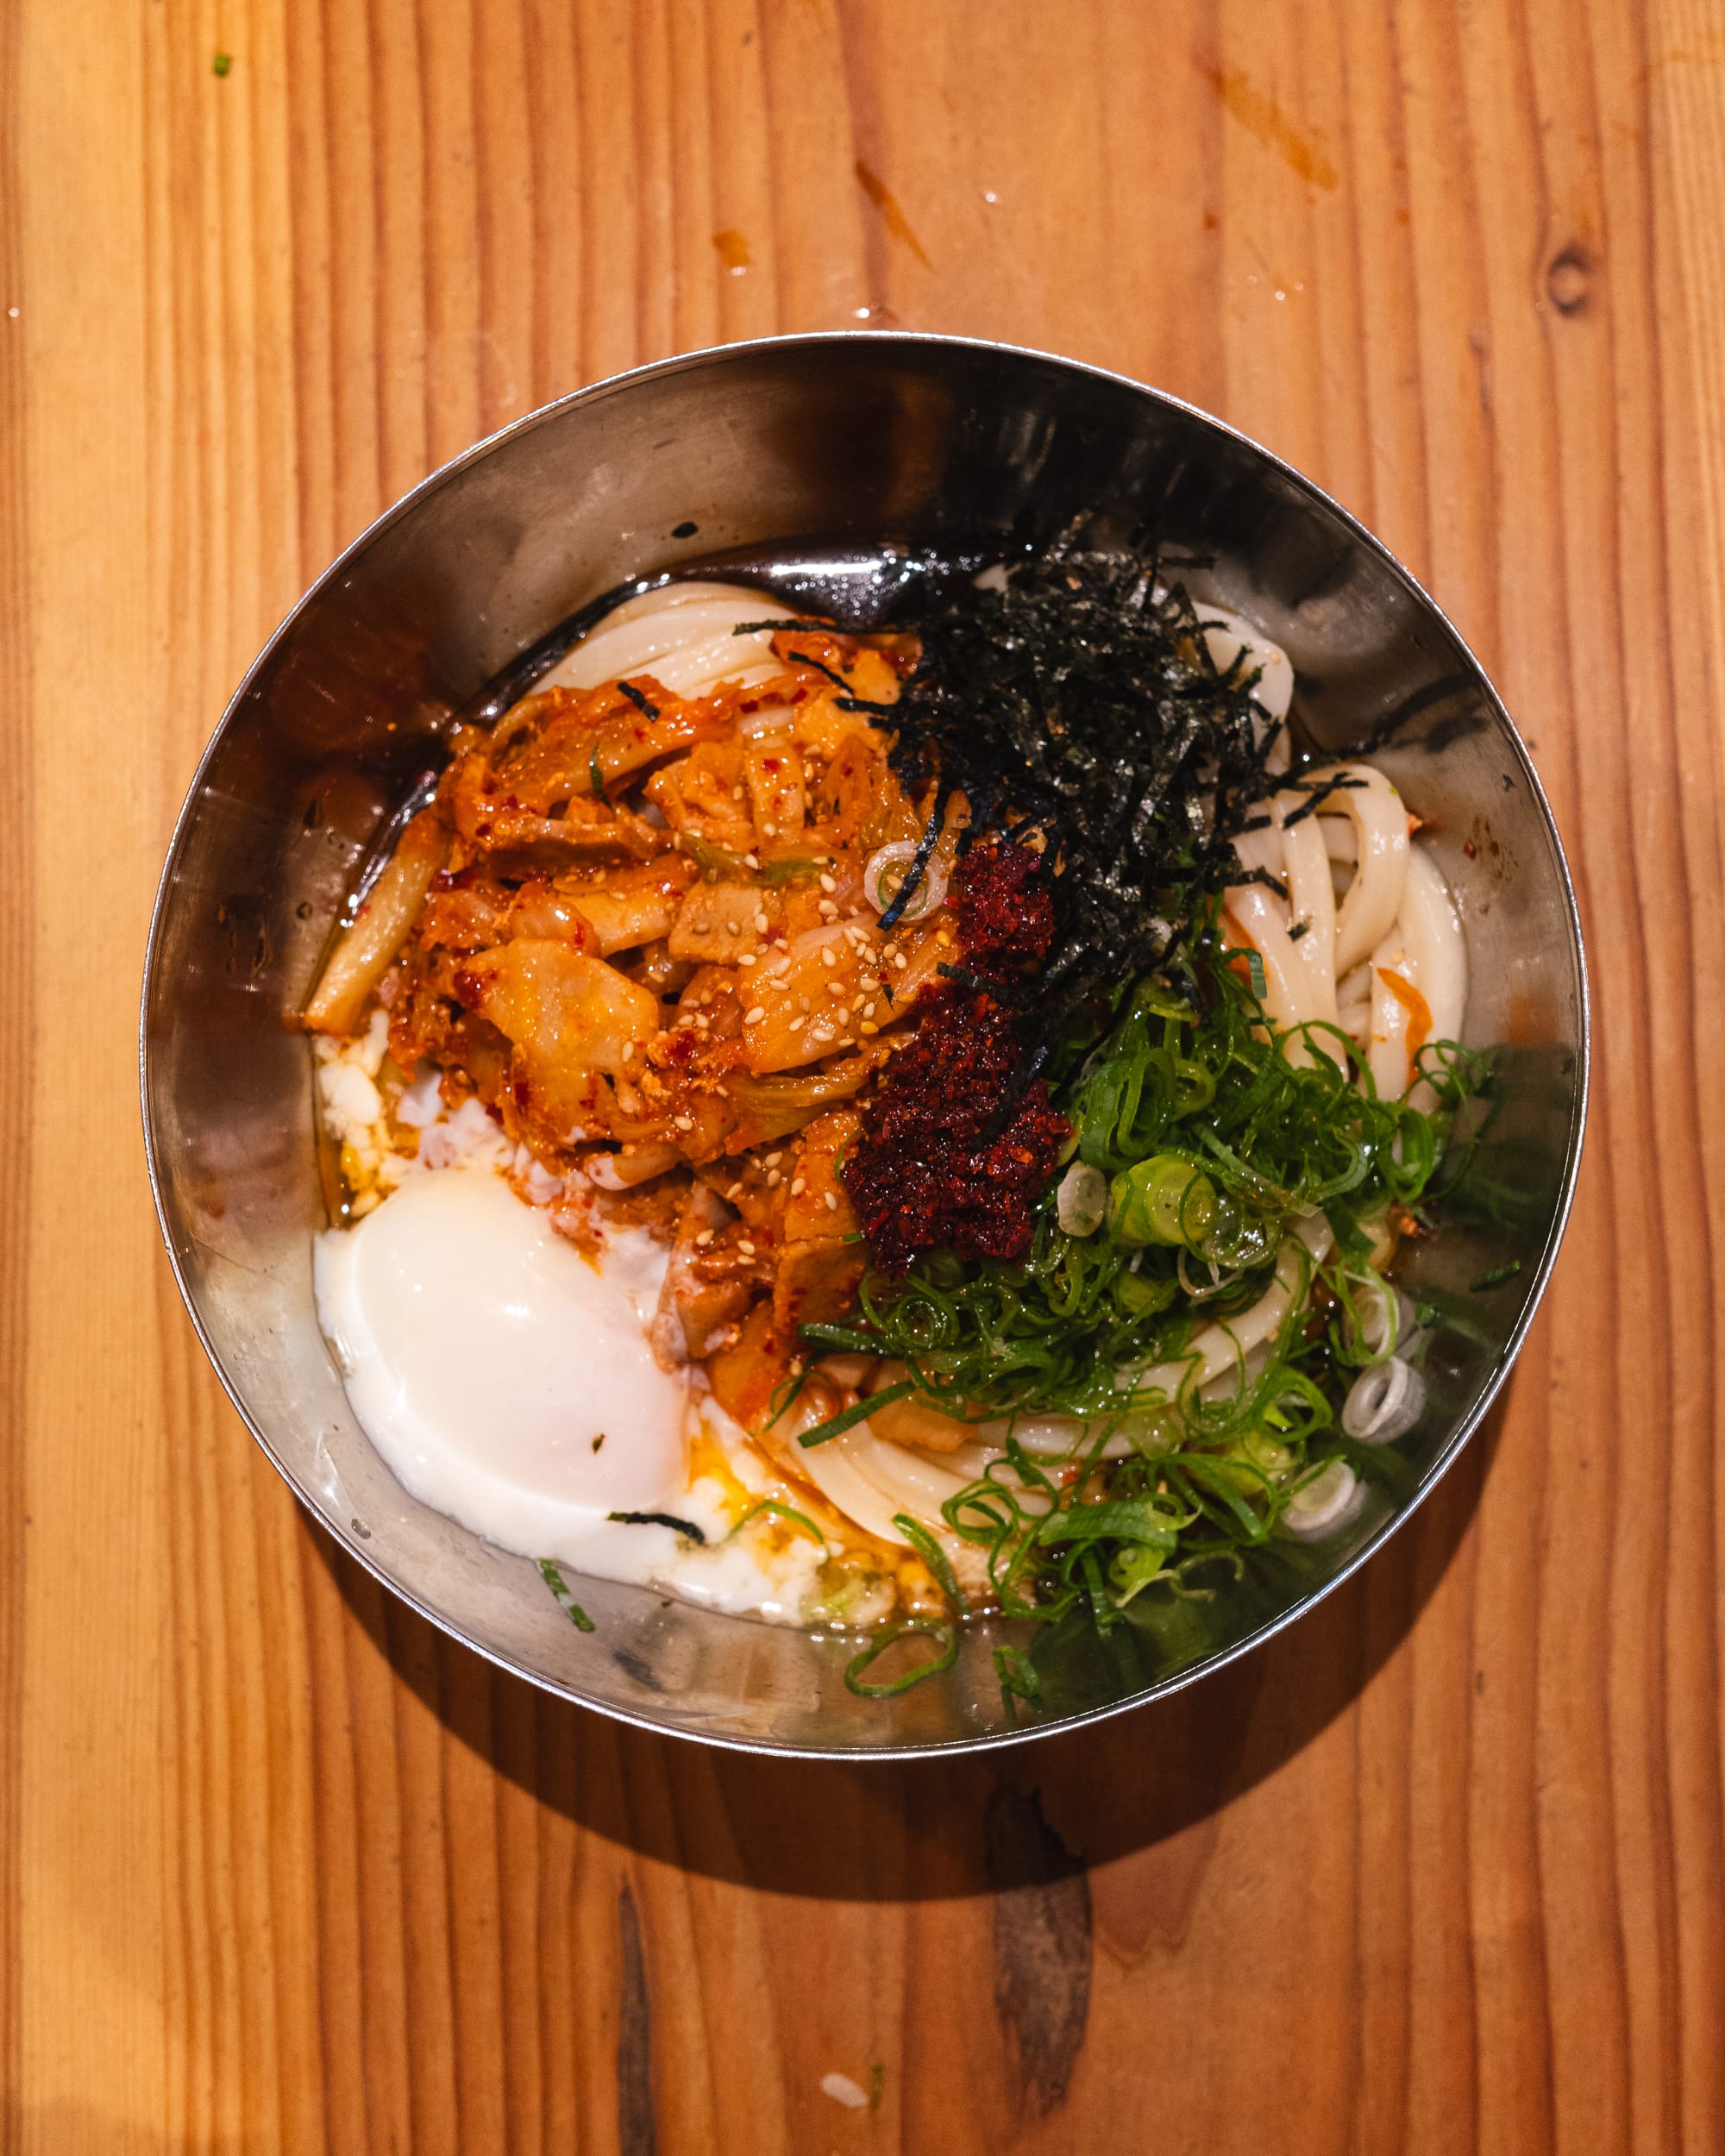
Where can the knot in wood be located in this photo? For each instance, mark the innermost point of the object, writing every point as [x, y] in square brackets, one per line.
[1569, 279]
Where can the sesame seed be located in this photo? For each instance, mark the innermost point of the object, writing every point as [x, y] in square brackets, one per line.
[773, 1159]
[831, 1201]
[829, 957]
[745, 1248]
[746, 958]
[774, 1177]
[704, 1237]
[760, 924]
[836, 988]
[802, 1003]
[867, 1009]
[827, 883]
[754, 1016]
[828, 911]
[867, 1025]
[856, 1003]
[734, 1192]
[771, 829]
[797, 1025]
[798, 1188]
[683, 1122]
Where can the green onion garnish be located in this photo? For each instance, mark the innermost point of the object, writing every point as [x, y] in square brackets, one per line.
[935, 1558]
[791, 1518]
[859, 1411]
[1018, 1676]
[565, 1600]
[912, 1628]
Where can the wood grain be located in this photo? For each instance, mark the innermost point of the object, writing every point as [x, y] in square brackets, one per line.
[279, 1869]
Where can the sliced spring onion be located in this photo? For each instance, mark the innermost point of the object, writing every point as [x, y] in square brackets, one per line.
[1018, 1675]
[934, 1558]
[798, 1520]
[915, 1627]
[859, 1411]
[1082, 1200]
[1163, 1200]
[565, 1600]
[1321, 1502]
[886, 873]
[1383, 1402]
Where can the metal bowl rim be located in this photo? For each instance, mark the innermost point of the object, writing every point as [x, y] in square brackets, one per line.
[594, 392]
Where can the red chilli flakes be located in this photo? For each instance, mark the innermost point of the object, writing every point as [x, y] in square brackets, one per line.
[925, 1174]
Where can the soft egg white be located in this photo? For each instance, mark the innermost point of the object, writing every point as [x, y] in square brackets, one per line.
[485, 1358]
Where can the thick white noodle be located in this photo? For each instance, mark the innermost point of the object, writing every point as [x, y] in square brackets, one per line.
[1386, 1040]
[1427, 950]
[1262, 849]
[1296, 939]
[1394, 915]
[1311, 907]
[911, 1481]
[681, 635]
[1226, 635]
[850, 1491]
[1339, 841]
[970, 1459]
[1433, 925]
[1374, 812]
[1291, 989]
[869, 1480]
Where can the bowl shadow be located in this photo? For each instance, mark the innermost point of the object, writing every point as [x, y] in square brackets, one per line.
[977, 1824]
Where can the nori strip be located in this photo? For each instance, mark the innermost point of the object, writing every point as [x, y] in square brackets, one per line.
[1081, 700]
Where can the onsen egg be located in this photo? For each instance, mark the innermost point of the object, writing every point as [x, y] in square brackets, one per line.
[503, 1378]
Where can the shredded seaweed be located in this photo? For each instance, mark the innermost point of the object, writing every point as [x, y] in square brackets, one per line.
[1080, 701]
[638, 699]
[659, 1519]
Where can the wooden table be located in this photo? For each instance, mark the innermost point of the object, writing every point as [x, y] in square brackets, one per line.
[1444, 1869]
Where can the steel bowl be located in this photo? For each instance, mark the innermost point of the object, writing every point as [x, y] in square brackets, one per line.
[831, 462]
